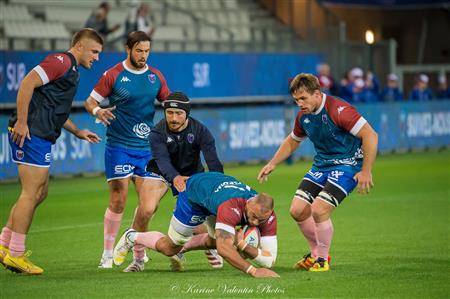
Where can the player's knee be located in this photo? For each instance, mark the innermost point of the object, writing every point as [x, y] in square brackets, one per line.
[147, 212]
[300, 214]
[42, 195]
[321, 211]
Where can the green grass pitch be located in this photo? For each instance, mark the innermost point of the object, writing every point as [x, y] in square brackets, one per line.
[392, 243]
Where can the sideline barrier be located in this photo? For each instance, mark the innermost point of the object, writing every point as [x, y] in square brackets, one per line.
[199, 75]
[254, 133]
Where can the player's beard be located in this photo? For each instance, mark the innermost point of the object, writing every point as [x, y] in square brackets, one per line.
[136, 64]
[176, 126]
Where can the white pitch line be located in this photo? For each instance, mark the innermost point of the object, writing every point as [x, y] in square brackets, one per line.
[67, 227]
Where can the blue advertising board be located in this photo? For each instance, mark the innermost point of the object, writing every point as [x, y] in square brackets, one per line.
[255, 132]
[199, 75]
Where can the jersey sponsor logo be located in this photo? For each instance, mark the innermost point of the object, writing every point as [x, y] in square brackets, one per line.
[196, 219]
[316, 174]
[20, 154]
[152, 78]
[335, 174]
[169, 139]
[340, 109]
[60, 58]
[141, 130]
[236, 211]
[190, 138]
[48, 157]
[123, 169]
[125, 79]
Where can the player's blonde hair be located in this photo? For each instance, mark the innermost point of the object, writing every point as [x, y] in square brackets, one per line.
[87, 33]
[307, 82]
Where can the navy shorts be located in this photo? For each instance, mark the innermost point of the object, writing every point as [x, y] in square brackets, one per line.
[122, 163]
[35, 151]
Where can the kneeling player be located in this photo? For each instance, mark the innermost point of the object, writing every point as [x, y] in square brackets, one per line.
[224, 203]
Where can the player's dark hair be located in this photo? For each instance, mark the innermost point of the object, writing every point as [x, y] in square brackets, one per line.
[178, 100]
[137, 37]
[307, 82]
[265, 201]
[87, 33]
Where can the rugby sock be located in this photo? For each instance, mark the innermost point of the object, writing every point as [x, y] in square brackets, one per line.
[149, 239]
[196, 242]
[308, 228]
[111, 227]
[5, 237]
[17, 244]
[324, 235]
[139, 252]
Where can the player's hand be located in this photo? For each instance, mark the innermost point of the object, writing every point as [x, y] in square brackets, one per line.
[365, 182]
[19, 133]
[180, 182]
[89, 136]
[265, 171]
[263, 272]
[105, 115]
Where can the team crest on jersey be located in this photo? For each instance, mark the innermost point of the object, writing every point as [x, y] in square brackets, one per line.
[141, 130]
[190, 138]
[152, 78]
[20, 154]
[324, 118]
[306, 121]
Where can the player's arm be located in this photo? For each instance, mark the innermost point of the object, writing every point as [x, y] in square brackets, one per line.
[104, 115]
[161, 155]
[288, 146]
[208, 148]
[81, 134]
[225, 247]
[21, 131]
[369, 140]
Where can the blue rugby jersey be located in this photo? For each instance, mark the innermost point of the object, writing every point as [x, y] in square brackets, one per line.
[133, 93]
[332, 130]
[210, 189]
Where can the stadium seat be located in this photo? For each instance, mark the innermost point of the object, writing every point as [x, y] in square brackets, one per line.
[15, 12]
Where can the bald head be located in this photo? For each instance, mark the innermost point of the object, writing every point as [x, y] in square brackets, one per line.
[265, 201]
[259, 209]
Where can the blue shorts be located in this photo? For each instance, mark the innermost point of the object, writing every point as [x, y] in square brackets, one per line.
[188, 214]
[122, 163]
[35, 151]
[338, 183]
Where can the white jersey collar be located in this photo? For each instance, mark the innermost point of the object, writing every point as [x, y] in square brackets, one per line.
[133, 71]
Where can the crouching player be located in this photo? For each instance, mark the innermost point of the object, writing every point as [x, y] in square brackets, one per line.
[223, 203]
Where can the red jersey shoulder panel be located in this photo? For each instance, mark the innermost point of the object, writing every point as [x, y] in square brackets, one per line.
[343, 114]
[55, 66]
[105, 84]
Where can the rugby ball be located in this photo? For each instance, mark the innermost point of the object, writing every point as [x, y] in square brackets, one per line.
[251, 235]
